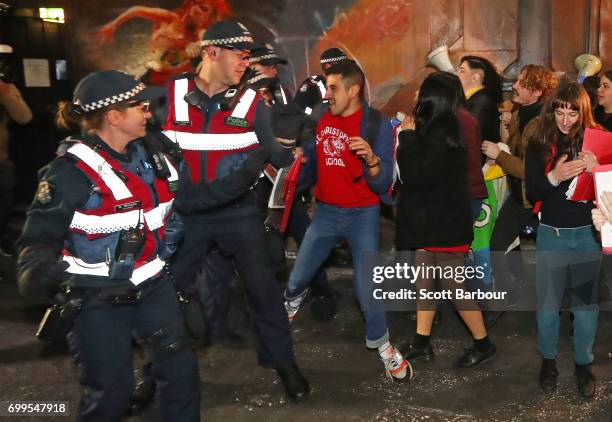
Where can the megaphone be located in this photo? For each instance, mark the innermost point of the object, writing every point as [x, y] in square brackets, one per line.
[587, 65]
[439, 59]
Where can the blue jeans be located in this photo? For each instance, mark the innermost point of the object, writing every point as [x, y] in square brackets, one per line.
[558, 250]
[360, 226]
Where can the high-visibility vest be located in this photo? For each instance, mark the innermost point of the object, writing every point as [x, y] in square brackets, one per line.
[205, 143]
[126, 202]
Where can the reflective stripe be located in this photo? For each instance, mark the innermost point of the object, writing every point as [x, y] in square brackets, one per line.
[244, 105]
[156, 217]
[322, 88]
[97, 224]
[110, 223]
[98, 164]
[173, 173]
[181, 108]
[140, 274]
[212, 141]
[282, 91]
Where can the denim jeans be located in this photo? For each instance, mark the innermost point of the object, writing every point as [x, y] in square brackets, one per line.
[558, 250]
[360, 226]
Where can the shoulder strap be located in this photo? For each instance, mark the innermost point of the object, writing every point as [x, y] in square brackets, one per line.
[373, 125]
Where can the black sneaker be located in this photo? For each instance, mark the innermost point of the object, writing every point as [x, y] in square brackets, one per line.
[474, 357]
[296, 386]
[412, 352]
[585, 381]
[548, 375]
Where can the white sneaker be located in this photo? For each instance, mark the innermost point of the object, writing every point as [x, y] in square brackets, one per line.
[395, 365]
[292, 306]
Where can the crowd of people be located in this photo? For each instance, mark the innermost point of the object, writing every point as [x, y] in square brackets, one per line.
[140, 228]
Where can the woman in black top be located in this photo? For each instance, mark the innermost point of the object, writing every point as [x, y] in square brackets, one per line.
[434, 215]
[603, 112]
[565, 234]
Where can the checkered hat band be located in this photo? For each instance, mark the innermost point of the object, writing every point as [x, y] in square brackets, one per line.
[225, 41]
[257, 78]
[265, 57]
[119, 98]
[334, 59]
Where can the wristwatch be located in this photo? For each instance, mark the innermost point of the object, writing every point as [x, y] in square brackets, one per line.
[375, 164]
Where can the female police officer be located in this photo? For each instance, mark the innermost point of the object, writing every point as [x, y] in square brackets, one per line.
[103, 207]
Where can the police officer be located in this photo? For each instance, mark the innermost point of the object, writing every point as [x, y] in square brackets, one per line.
[99, 226]
[264, 62]
[216, 123]
[311, 93]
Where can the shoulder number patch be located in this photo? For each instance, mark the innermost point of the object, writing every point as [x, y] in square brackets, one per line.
[44, 192]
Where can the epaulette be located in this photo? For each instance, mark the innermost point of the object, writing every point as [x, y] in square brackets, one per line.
[64, 145]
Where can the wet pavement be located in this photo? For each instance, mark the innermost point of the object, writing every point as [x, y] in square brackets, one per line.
[348, 382]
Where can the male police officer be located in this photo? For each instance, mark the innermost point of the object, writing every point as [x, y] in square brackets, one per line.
[216, 125]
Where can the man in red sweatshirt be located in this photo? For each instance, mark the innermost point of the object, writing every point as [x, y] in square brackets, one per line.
[350, 172]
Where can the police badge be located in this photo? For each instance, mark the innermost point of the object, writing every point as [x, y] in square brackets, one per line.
[44, 192]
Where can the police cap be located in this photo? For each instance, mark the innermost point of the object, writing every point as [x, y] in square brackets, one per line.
[229, 34]
[107, 87]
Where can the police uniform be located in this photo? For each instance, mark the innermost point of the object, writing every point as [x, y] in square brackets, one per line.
[107, 216]
[215, 134]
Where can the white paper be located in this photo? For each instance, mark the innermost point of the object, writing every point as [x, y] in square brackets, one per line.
[36, 73]
[603, 181]
[276, 197]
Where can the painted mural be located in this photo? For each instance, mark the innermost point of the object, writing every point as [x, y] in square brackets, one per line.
[174, 36]
[390, 39]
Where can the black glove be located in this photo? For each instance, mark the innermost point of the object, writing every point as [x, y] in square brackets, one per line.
[205, 196]
[194, 313]
[39, 272]
[287, 121]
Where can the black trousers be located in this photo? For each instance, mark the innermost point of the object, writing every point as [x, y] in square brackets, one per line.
[101, 344]
[242, 239]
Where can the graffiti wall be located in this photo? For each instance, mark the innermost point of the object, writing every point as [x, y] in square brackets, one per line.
[390, 39]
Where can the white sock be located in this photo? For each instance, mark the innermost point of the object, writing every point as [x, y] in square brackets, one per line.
[384, 350]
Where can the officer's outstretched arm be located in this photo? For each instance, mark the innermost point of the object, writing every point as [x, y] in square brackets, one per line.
[277, 128]
[61, 190]
[206, 196]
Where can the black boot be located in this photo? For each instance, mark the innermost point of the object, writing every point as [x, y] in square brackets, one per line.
[296, 386]
[419, 348]
[548, 375]
[585, 381]
[143, 396]
[482, 351]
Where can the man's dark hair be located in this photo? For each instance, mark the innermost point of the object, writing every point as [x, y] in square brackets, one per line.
[351, 75]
